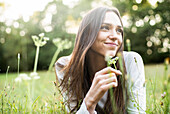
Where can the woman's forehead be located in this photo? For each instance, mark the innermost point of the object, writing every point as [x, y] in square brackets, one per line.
[112, 18]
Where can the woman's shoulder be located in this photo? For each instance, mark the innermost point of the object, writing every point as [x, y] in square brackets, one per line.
[131, 55]
[62, 61]
[132, 58]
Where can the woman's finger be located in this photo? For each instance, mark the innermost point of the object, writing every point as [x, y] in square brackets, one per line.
[108, 70]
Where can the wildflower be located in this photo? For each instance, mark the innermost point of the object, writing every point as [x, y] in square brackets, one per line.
[41, 35]
[46, 104]
[163, 95]
[34, 75]
[46, 38]
[21, 77]
[24, 76]
[127, 41]
[61, 45]
[18, 79]
[111, 61]
[128, 44]
[39, 42]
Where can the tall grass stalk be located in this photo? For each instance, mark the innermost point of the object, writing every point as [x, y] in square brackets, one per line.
[123, 80]
[128, 44]
[166, 81]
[6, 81]
[18, 62]
[36, 59]
[2, 109]
[54, 59]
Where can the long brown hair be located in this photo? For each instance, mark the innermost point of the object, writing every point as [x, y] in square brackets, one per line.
[76, 79]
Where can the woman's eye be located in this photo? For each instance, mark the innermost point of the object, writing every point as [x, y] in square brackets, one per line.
[119, 30]
[104, 28]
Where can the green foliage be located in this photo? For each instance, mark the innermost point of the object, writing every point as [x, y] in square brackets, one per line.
[17, 97]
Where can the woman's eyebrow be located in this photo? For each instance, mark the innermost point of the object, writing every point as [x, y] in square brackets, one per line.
[109, 24]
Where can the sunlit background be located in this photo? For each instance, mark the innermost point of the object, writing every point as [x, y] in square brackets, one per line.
[146, 24]
[14, 9]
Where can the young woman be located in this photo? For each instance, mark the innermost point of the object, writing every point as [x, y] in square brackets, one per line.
[84, 77]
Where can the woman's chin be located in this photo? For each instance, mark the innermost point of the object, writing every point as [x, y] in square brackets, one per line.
[111, 53]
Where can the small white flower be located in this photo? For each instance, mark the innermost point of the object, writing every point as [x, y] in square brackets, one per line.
[24, 76]
[43, 43]
[46, 38]
[46, 104]
[41, 35]
[18, 79]
[36, 77]
[27, 78]
[18, 55]
[56, 40]
[33, 74]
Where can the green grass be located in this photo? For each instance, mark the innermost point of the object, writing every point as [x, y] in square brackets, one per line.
[43, 97]
[22, 97]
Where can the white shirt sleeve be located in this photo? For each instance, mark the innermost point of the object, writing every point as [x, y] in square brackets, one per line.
[83, 108]
[136, 83]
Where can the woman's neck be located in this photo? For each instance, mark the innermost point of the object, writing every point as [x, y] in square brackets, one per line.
[96, 62]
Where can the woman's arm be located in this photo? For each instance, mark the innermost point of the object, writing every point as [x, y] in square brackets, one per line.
[103, 80]
[136, 83]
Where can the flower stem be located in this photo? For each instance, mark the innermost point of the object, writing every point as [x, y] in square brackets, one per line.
[7, 75]
[54, 59]
[18, 62]
[36, 59]
[114, 107]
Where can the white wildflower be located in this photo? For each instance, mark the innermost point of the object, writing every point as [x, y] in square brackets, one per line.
[18, 79]
[34, 75]
[41, 35]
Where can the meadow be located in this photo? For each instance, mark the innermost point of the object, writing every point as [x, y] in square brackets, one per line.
[42, 96]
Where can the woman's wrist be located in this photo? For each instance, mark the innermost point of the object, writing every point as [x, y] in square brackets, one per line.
[90, 104]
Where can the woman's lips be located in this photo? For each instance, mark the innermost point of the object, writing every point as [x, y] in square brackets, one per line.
[111, 44]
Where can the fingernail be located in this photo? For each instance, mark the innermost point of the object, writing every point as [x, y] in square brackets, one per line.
[120, 72]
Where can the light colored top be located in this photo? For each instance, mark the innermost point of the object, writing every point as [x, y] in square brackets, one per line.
[135, 82]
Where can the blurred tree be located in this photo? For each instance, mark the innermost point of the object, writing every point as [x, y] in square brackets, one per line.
[146, 25]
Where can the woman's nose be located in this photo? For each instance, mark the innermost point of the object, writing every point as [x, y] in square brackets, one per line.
[113, 34]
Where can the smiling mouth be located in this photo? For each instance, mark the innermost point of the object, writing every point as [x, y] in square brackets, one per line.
[111, 44]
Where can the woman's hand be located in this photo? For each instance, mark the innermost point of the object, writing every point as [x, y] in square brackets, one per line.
[103, 80]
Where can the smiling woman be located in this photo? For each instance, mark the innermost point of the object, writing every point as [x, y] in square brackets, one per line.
[84, 76]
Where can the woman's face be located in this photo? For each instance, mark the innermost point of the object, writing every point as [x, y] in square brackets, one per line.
[109, 38]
